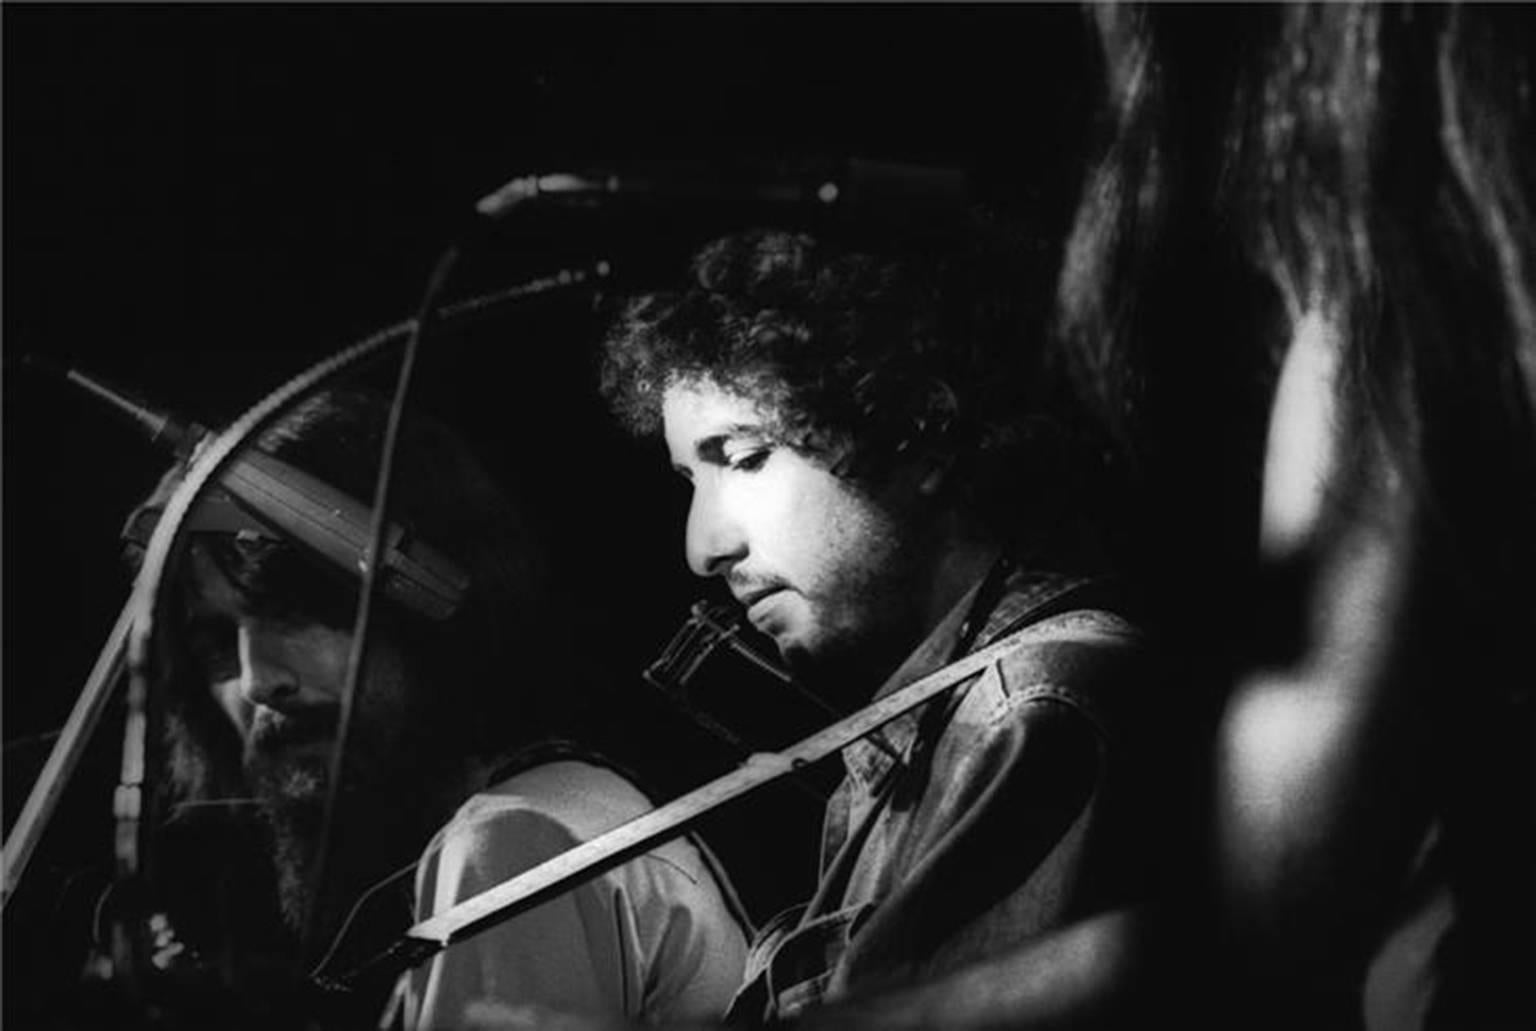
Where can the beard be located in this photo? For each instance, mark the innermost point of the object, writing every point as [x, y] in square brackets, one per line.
[292, 801]
[286, 761]
[858, 634]
[847, 672]
[374, 831]
[384, 813]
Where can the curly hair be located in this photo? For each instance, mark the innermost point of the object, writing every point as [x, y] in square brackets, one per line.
[864, 358]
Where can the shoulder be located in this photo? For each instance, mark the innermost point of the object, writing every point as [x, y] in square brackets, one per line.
[585, 799]
[1072, 644]
[1089, 662]
[542, 810]
[564, 803]
[522, 821]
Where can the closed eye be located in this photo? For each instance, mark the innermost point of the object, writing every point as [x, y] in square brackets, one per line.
[750, 461]
[213, 643]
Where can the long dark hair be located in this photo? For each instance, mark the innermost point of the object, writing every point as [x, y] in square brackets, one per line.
[444, 496]
[1369, 167]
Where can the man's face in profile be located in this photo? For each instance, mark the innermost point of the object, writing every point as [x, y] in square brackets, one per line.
[280, 681]
[834, 574]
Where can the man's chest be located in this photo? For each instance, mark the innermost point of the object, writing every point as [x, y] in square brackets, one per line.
[884, 824]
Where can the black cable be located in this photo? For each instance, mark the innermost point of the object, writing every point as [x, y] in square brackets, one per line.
[424, 320]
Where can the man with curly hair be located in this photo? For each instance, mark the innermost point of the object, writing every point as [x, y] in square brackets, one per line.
[887, 476]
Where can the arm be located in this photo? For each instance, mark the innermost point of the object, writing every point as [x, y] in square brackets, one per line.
[559, 955]
[657, 938]
[685, 931]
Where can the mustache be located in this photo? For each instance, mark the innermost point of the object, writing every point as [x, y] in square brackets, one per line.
[746, 585]
[272, 731]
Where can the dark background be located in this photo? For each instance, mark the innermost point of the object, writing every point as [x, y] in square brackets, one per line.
[201, 201]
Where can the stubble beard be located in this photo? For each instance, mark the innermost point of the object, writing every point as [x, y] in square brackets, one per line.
[860, 642]
[846, 670]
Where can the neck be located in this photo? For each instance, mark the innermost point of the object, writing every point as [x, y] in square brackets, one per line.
[957, 569]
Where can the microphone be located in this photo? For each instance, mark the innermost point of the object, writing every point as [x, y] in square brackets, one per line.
[886, 192]
[161, 427]
[261, 494]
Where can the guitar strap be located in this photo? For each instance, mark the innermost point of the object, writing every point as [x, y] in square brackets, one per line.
[640, 835]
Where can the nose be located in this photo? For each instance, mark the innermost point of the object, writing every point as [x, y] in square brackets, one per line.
[714, 541]
[267, 674]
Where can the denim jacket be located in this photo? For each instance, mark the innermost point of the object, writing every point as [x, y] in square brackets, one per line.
[1007, 814]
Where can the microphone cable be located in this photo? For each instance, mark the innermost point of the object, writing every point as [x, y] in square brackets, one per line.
[361, 622]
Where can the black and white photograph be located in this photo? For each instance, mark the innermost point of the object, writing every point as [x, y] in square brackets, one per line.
[589, 517]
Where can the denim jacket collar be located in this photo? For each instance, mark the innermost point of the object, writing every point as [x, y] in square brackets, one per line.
[868, 763]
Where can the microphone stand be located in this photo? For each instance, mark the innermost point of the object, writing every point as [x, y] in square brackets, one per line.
[65, 756]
